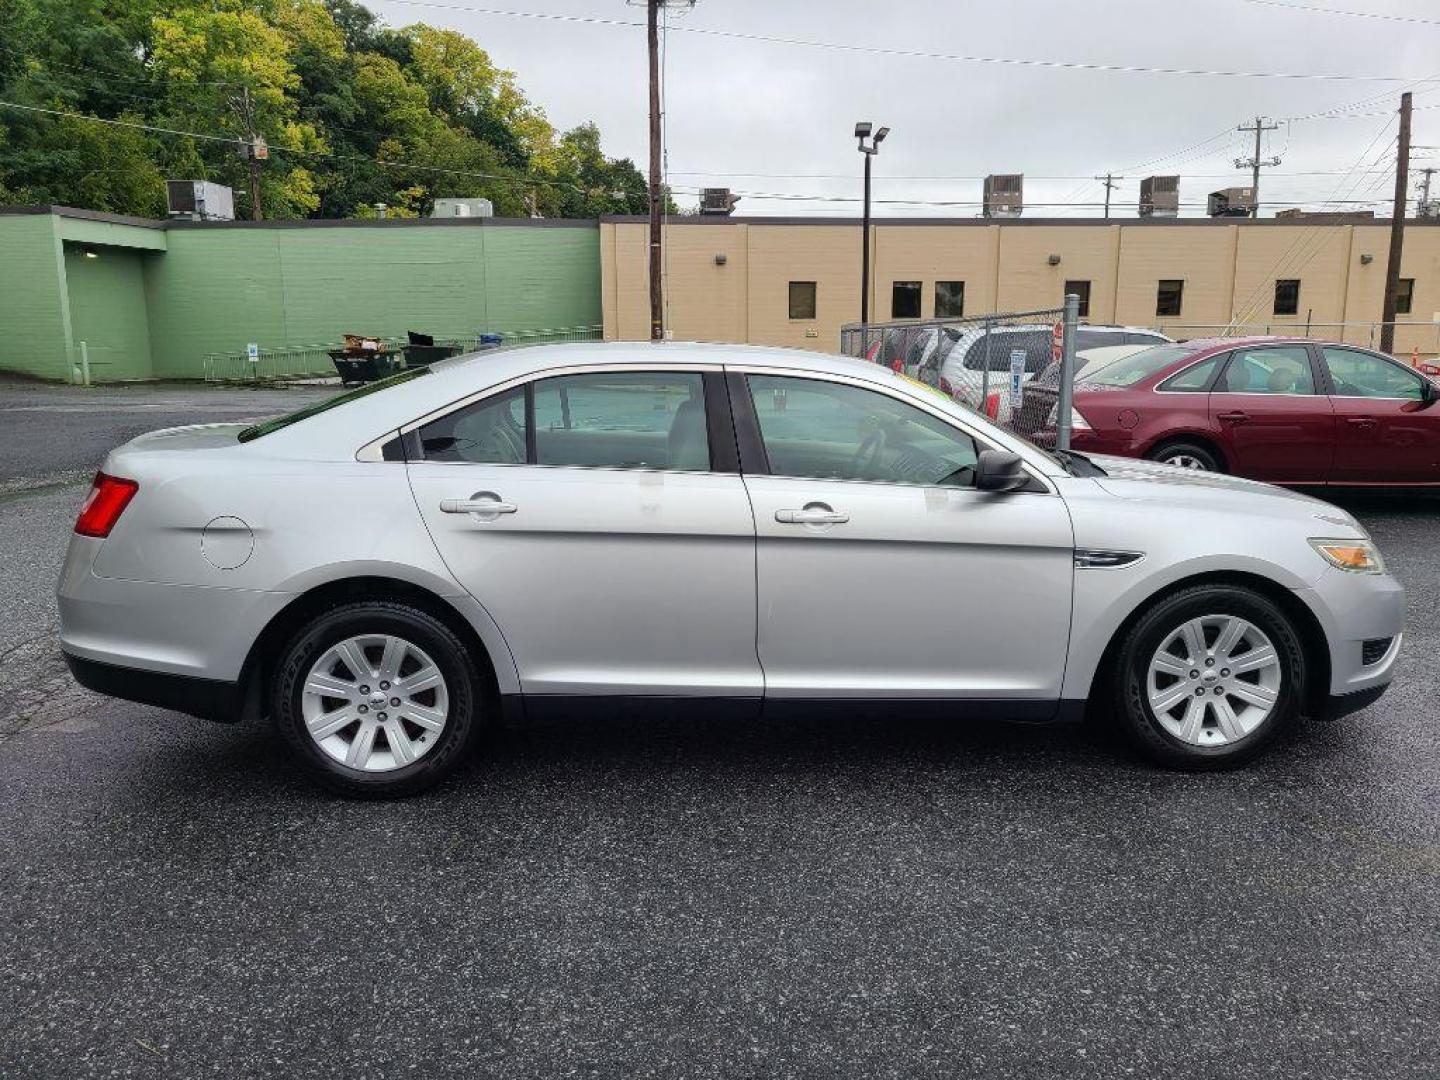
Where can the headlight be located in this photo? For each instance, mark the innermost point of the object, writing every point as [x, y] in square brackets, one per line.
[1357, 556]
[1078, 422]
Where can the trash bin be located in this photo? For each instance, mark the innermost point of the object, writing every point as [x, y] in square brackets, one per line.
[363, 367]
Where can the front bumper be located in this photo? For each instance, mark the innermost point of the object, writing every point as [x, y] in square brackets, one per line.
[1353, 609]
[209, 699]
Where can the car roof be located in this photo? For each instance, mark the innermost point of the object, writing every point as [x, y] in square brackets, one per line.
[335, 434]
[1214, 344]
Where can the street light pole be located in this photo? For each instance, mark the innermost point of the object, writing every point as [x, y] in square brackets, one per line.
[862, 133]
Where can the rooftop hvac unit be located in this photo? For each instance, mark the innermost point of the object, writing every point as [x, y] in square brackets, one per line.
[1004, 195]
[1160, 196]
[717, 200]
[1231, 202]
[199, 200]
[451, 208]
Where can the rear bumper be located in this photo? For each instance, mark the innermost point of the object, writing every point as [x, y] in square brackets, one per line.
[209, 699]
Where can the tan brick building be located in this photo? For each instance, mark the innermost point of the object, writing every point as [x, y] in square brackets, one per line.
[730, 279]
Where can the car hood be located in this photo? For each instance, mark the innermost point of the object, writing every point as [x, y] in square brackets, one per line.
[1129, 478]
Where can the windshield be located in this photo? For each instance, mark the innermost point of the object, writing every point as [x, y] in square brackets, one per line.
[1130, 370]
[265, 427]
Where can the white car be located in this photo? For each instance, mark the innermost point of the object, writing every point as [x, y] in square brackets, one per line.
[957, 364]
[387, 572]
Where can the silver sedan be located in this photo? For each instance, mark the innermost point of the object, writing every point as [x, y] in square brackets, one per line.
[389, 572]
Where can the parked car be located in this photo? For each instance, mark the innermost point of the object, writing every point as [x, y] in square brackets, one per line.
[1042, 392]
[390, 571]
[957, 364]
[1285, 410]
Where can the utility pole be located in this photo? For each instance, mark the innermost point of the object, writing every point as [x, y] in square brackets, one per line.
[1256, 162]
[1110, 182]
[1397, 227]
[652, 37]
[253, 151]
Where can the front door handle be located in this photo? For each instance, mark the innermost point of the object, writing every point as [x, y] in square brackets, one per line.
[1361, 421]
[812, 514]
[1233, 417]
[486, 504]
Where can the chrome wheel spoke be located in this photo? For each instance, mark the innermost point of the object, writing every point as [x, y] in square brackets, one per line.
[353, 658]
[400, 745]
[1230, 637]
[1253, 693]
[393, 657]
[1253, 660]
[1226, 722]
[426, 717]
[327, 724]
[1194, 720]
[1166, 699]
[1193, 633]
[427, 678]
[327, 685]
[1171, 665]
[361, 745]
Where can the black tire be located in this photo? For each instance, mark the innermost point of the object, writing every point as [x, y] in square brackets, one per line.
[1128, 677]
[1168, 452]
[462, 683]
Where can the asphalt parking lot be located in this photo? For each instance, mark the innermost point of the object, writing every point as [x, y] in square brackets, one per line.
[673, 896]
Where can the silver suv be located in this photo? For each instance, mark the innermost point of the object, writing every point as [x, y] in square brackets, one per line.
[388, 572]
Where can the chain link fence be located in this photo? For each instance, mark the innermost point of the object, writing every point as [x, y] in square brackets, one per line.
[1015, 367]
[272, 364]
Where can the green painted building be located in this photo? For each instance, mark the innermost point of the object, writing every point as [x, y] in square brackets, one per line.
[144, 299]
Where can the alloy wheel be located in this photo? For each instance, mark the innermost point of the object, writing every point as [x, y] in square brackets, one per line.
[1214, 680]
[1186, 461]
[375, 702]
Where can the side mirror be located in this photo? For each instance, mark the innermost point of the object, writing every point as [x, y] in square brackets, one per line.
[998, 470]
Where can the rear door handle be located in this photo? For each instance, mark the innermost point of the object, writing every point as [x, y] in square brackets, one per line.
[1233, 417]
[1361, 421]
[484, 503]
[812, 514]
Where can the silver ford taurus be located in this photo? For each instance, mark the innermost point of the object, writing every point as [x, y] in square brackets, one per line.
[388, 572]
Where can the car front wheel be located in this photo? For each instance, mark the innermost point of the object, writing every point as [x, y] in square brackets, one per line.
[1186, 456]
[1208, 677]
[377, 699]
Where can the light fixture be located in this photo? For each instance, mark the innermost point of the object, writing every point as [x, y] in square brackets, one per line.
[1053, 260]
[720, 258]
[91, 253]
[1366, 260]
[880, 135]
[862, 129]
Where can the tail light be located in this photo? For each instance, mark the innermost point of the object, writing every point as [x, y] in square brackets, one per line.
[109, 495]
[897, 366]
[992, 406]
[872, 352]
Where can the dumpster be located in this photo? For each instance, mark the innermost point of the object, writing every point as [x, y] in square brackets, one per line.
[422, 350]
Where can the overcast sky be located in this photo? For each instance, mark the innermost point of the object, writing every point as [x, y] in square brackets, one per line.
[751, 115]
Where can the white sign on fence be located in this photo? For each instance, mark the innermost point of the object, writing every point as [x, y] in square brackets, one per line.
[252, 352]
[1017, 379]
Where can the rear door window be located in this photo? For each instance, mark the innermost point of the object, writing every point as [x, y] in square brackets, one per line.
[625, 420]
[1281, 369]
[1194, 378]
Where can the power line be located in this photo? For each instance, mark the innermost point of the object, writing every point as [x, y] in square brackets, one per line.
[1382, 16]
[908, 54]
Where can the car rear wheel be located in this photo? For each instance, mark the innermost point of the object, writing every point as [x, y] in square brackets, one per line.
[1208, 677]
[377, 699]
[1186, 456]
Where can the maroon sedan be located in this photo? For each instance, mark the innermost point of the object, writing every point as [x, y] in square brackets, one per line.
[1285, 410]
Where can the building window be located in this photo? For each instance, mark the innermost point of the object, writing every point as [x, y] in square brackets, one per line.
[1404, 295]
[905, 300]
[1082, 290]
[802, 299]
[1169, 296]
[949, 299]
[1287, 296]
